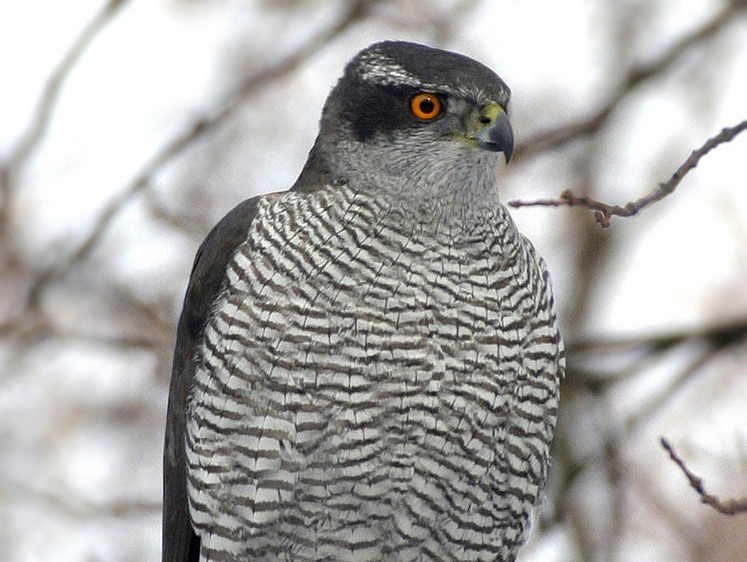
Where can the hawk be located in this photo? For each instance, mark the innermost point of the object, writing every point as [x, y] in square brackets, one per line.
[367, 365]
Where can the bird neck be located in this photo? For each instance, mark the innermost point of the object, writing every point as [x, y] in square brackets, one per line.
[440, 186]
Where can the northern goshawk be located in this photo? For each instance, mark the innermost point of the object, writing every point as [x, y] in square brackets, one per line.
[367, 365]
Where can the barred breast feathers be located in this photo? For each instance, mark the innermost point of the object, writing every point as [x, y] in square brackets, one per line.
[367, 389]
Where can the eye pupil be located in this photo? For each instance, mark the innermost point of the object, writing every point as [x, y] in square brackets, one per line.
[427, 106]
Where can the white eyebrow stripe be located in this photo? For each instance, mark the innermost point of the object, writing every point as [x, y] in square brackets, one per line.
[379, 69]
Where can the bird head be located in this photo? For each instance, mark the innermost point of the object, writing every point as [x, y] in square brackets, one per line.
[417, 124]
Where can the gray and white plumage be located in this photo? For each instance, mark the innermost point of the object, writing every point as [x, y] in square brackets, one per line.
[367, 365]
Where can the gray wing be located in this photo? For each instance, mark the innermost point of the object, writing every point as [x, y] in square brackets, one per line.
[180, 542]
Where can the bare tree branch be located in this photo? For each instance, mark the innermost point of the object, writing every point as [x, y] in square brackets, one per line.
[636, 76]
[645, 350]
[73, 505]
[727, 507]
[41, 118]
[718, 336]
[193, 132]
[603, 212]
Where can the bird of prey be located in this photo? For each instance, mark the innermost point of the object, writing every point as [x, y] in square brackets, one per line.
[367, 365]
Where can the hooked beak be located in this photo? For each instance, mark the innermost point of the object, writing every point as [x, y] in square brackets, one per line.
[495, 133]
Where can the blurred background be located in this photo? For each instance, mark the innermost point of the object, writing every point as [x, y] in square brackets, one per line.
[129, 127]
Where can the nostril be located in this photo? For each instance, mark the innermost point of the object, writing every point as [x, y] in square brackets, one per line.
[484, 120]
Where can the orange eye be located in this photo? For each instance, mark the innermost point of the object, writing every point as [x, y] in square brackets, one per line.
[425, 106]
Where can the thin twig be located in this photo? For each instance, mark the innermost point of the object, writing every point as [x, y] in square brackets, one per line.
[727, 507]
[603, 212]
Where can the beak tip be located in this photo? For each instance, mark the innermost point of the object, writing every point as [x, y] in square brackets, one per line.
[508, 151]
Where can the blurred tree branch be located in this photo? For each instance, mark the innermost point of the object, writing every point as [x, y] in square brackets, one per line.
[194, 131]
[37, 128]
[646, 348]
[584, 127]
[727, 507]
[643, 351]
[75, 506]
[719, 335]
[603, 212]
